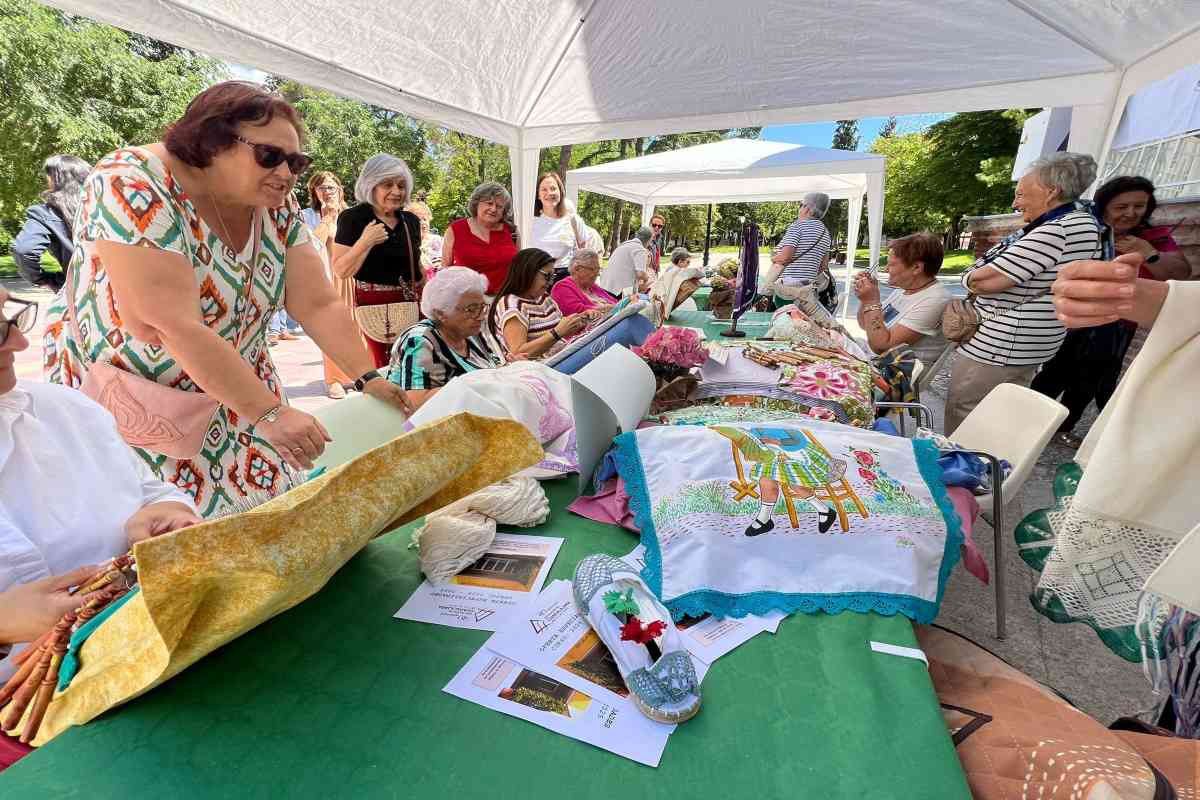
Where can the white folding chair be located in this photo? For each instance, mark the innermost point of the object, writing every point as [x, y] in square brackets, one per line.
[1014, 424]
[928, 373]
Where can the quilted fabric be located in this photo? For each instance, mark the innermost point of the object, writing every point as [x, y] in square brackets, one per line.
[203, 587]
[1017, 739]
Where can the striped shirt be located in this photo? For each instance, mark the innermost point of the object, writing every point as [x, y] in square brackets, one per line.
[810, 243]
[1018, 330]
[536, 316]
[422, 359]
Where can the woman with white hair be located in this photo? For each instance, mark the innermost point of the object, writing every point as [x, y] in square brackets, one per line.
[445, 344]
[804, 250]
[1018, 330]
[485, 241]
[378, 244]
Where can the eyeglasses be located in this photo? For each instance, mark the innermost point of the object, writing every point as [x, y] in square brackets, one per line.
[23, 320]
[268, 156]
[474, 310]
[548, 274]
[656, 227]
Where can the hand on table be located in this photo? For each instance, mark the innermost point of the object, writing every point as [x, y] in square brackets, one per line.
[298, 437]
[157, 519]
[388, 392]
[1089, 293]
[28, 610]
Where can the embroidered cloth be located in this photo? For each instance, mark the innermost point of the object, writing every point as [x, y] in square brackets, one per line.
[895, 538]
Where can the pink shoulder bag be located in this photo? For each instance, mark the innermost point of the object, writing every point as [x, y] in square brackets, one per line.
[150, 415]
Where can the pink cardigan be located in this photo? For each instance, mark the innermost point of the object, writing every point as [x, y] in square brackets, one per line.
[571, 299]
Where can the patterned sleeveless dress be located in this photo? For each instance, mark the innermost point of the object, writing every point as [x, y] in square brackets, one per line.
[131, 198]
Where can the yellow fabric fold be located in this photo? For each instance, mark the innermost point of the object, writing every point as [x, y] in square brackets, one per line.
[202, 587]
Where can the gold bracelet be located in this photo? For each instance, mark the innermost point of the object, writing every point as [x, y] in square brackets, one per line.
[872, 307]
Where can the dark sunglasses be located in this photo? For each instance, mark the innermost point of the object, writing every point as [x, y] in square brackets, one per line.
[657, 227]
[268, 156]
[23, 320]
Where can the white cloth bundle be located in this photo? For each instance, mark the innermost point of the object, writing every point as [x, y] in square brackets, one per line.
[665, 290]
[456, 536]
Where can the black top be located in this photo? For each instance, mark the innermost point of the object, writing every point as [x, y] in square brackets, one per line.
[390, 261]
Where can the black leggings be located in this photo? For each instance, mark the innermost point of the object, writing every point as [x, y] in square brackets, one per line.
[1086, 367]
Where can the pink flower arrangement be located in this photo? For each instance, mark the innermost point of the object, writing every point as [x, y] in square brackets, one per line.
[673, 347]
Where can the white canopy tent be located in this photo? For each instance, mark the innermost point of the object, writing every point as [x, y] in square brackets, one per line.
[745, 171]
[534, 73]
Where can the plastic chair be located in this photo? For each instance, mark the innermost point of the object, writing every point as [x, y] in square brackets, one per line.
[358, 424]
[927, 374]
[1014, 424]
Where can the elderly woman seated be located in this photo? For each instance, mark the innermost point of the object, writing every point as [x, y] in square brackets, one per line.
[912, 313]
[578, 291]
[72, 493]
[446, 344]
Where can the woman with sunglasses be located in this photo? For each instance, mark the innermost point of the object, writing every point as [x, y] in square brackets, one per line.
[185, 249]
[378, 244]
[446, 344]
[525, 320]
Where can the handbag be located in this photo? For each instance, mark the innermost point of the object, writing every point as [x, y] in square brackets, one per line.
[149, 415]
[385, 322]
[960, 319]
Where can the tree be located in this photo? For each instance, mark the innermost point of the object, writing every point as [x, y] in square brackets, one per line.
[888, 129]
[845, 136]
[908, 209]
[69, 85]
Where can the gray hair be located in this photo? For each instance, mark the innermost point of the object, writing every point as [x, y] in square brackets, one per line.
[488, 191]
[644, 234]
[1070, 173]
[377, 169]
[817, 203]
[585, 254]
[447, 286]
[679, 254]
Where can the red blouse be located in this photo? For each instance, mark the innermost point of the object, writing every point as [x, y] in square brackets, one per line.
[491, 258]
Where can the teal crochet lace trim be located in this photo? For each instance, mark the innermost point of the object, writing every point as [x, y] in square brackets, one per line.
[722, 604]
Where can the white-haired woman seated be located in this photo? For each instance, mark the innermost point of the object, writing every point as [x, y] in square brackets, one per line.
[435, 350]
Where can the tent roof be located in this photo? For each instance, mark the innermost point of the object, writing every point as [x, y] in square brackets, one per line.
[533, 73]
[731, 171]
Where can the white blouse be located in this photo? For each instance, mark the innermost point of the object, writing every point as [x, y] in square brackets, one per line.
[556, 237]
[68, 484]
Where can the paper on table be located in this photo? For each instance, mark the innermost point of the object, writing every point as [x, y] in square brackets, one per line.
[556, 640]
[506, 578]
[503, 685]
[709, 638]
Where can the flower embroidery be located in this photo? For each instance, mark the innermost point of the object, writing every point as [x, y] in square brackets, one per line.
[824, 380]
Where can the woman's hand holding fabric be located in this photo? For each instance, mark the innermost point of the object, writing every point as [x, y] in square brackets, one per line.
[572, 324]
[28, 610]
[389, 392]
[157, 519]
[298, 437]
[866, 288]
[1089, 293]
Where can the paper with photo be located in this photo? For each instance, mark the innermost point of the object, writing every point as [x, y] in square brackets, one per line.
[504, 685]
[481, 597]
[556, 640]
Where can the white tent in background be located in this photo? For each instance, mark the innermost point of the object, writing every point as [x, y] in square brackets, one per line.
[745, 171]
[535, 73]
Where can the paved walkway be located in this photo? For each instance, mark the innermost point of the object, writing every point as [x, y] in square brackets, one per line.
[1067, 657]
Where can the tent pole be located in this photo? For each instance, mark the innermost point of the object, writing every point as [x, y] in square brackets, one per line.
[707, 234]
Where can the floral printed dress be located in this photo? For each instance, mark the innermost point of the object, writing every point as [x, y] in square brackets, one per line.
[131, 198]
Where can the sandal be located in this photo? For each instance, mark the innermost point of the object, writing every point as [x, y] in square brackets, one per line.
[1068, 439]
[643, 640]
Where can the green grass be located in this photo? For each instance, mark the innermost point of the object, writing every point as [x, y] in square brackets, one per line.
[8, 266]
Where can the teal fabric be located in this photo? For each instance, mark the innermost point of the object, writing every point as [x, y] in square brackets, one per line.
[754, 323]
[697, 603]
[70, 663]
[335, 698]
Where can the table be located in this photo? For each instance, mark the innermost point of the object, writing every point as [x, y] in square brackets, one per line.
[754, 323]
[701, 297]
[334, 698]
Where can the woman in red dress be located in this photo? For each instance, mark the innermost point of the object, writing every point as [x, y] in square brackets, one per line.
[485, 240]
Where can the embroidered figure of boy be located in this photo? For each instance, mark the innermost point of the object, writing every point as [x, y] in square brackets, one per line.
[779, 455]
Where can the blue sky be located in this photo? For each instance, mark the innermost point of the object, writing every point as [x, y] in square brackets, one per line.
[820, 134]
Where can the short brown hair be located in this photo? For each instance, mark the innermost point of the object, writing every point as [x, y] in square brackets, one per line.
[923, 247]
[316, 180]
[209, 125]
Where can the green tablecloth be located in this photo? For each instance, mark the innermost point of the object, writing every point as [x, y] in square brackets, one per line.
[334, 698]
[701, 297]
[754, 323]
